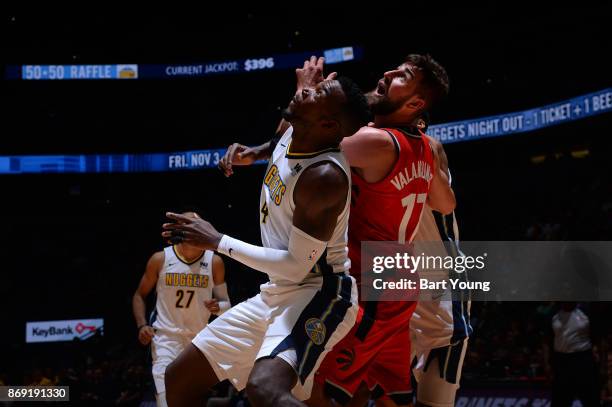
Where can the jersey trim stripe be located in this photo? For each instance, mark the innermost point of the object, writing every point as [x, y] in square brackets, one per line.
[183, 260]
[289, 154]
[408, 133]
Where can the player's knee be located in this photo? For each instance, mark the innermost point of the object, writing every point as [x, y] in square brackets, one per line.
[171, 381]
[261, 391]
[256, 389]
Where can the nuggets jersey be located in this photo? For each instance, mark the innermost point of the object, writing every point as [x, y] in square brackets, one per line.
[390, 209]
[182, 289]
[277, 205]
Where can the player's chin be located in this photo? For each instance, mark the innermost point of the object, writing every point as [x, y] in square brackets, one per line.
[374, 97]
[288, 113]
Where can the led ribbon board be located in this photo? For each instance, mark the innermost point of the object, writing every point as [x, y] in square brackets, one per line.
[524, 121]
[191, 70]
[473, 129]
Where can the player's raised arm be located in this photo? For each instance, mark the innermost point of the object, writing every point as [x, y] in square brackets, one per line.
[441, 196]
[238, 154]
[146, 285]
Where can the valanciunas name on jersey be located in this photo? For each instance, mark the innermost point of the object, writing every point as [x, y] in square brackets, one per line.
[421, 170]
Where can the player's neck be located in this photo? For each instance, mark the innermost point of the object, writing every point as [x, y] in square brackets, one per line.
[188, 254]
[301, 142]
[393, 121]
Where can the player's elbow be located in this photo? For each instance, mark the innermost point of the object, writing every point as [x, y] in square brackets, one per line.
[447, 208]
[138, 298]
[448, 205]
[444, 204]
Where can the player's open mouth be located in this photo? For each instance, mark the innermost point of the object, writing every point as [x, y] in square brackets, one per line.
[380, 89]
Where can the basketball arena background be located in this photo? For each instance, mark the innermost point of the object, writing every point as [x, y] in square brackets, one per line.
[109, 120]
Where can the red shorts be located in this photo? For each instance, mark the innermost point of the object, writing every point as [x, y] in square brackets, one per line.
[375, 351]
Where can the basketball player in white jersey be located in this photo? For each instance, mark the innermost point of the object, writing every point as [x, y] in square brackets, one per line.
[272, 343]
[440, 327]
[190, 286]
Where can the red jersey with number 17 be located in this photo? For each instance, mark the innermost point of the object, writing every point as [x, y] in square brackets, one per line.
[390, 209]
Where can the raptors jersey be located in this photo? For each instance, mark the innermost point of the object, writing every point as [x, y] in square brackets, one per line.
[277, 205]
[182, 289]
[390, 209]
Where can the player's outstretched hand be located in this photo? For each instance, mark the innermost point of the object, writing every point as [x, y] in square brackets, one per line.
[237, 154]
[146, 334]
[312, 73]
[195, 232]
[212, 305]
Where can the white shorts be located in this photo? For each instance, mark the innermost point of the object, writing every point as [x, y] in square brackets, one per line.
[438, 372]
[165, 348]
[436, 364]
[298, 323]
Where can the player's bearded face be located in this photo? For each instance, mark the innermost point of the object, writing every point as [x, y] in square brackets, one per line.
[382, 104]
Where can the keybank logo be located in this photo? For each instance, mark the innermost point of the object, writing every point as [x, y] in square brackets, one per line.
[67, 330]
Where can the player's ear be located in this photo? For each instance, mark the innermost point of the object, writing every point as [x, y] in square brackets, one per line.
[420, 124]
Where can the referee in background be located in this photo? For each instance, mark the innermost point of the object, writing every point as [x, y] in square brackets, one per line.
[573, 364]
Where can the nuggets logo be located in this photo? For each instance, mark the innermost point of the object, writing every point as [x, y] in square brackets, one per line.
[315, 329]
[275, 185]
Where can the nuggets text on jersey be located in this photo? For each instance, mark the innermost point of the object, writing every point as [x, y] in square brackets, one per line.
[187, 280]
[275, 185]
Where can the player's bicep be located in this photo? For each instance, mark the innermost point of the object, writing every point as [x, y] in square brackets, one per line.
[316, 222]
[320, 196]
[151, 274]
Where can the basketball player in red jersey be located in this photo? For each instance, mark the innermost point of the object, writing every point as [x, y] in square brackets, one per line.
[396, 170]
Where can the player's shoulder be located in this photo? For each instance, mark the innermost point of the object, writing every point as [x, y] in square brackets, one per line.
[158, 257]
[435, 144]
[156, 261]
[324, 179]
[373, 137]
[433, 141]
[324, 173]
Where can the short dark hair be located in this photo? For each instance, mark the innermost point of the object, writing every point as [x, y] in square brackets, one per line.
[355, 110]
[435, 83]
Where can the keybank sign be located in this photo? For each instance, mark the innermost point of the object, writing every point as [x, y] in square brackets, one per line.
[57, 331]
